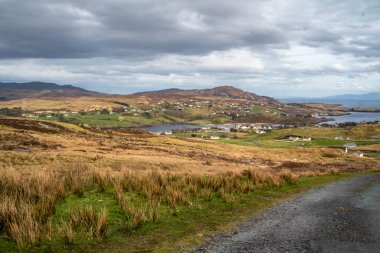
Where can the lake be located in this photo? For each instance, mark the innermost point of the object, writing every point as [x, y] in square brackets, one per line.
[352, 117]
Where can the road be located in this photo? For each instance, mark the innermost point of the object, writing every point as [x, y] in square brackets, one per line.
[340, 217]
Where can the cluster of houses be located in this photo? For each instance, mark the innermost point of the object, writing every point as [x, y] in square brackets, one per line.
[67, 113]
[297, 138]
[341, 138]
[49, 114]
[162, 133]
[216, 132]
[349, 145]
[232, 109]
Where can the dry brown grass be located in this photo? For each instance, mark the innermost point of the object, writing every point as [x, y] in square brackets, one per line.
[87, 219]
[28, 201]
[19, 222]
[162, 172]
[29, 197]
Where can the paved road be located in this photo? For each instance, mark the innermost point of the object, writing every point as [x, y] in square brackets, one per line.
[341, 217]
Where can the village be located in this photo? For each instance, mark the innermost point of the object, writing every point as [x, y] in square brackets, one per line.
[282, 136]
[220, 121]
[193, 111]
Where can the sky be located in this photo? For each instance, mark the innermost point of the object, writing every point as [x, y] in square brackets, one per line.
[276, 48]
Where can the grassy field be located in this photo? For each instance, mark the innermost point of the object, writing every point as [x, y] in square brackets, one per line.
[69, 189]
[320, 137]
[113, 120]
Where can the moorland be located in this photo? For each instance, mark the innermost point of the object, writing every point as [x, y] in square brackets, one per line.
[80, 186]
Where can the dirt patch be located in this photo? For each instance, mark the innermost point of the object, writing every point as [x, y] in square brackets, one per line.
[23, 141]
[38, 126]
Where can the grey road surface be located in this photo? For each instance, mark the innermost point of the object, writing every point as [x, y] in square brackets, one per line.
[341, 217]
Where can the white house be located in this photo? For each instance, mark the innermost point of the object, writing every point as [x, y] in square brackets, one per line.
[349, 145]
[359, 154]
[214, 137]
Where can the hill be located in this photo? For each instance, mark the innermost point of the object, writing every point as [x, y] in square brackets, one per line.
[12, 91]
[223, 104]
[224, 92]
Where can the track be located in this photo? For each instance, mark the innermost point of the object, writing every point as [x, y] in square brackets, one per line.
[340, 217]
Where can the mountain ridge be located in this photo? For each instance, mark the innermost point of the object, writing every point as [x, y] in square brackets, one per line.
[225, 91]
[13, 91]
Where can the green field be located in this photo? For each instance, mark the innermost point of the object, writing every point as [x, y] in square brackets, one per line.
[321, 137]
[113, 120]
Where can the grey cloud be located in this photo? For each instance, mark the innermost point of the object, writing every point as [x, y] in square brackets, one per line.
[80, 29]
[84, 29]
[156, 43]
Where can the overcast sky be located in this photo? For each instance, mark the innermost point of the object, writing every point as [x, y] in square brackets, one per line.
[276, 48]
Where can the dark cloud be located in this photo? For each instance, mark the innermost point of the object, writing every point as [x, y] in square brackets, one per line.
[80, 29]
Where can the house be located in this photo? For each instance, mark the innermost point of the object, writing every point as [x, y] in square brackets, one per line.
[359, 154]
[294, 138]
[214, 137]
[168, 133]
[349, 145]
[339, 138]
[225, 129]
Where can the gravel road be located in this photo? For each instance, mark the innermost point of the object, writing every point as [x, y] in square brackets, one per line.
[340, 217]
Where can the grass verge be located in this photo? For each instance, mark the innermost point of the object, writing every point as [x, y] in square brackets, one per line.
[135, 213]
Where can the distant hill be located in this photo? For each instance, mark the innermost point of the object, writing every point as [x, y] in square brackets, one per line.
[362, 97]
[11, 91]
[226, 92]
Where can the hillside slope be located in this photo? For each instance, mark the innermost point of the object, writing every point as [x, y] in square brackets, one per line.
[12, 91]
[224, 92]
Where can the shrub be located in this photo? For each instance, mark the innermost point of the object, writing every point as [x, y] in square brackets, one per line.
[89, 220]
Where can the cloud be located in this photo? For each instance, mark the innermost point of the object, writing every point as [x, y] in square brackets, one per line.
[124, 46]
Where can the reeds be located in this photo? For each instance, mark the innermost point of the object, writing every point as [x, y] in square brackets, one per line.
[29, 200]
[136, 216]
[90, 221]
[18, 220]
